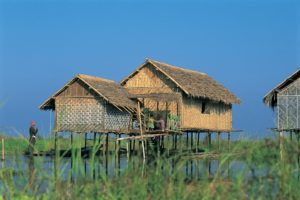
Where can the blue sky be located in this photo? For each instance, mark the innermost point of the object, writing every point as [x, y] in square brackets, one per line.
[249, 46]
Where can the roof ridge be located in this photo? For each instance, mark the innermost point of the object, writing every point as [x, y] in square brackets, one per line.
[177, 67]
[95, 78]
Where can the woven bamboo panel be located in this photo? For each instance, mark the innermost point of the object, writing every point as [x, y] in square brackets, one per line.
[219, 118]
[288, 102]
[115, 119]
[89, 115]
[79, 114]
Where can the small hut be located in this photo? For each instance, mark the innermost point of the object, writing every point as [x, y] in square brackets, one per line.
[286, 98]
[91, 104]
[199, 102]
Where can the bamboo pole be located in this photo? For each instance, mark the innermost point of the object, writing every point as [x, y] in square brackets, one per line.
[2, 141]
[141, 129]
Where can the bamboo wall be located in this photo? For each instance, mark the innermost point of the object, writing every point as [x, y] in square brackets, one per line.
[220, 117]
[149, 80]
[288, 103]
[79, 110]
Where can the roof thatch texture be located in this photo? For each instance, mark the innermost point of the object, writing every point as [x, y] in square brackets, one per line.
[111, 91]
[271, 97]
[193, 83]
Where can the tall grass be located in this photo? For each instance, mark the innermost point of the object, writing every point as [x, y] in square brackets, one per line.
[251, 170]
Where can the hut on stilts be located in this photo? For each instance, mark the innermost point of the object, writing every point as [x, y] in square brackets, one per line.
[88, 104]
[285, 98]
[189, 101]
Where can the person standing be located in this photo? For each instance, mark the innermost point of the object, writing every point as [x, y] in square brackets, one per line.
[32, 136]
[150, 124]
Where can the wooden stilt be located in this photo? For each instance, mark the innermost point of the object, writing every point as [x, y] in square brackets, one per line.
[192, 170]
[175, 141]
[228, 141]
[115, 144]
[291, 135]
[72, 141]
[3, 149]
[106, 145]
[141, 128]
[209, 140]
[130, 146]
[127, 149]
[281, 146]
[95, 137]
[55, 143]
[198, 140]
[219, 141]
[192, 140]
[85, 141]
[143, 146]
[187, 140]
[119, 143]
[133, 145]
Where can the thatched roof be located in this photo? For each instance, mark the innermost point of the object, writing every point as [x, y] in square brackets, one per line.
[271, 97]
[192, 83]
[111, 91]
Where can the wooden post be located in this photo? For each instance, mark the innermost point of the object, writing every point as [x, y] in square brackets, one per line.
[175, 141]
[209, 140]
[141, 129]
[3, 153]
[127, 149]
[95, 137]
[192, 140]
[281, 137]
[106, 146]
[167, 107]
[119, 144]
[55, 143]
[228, 141]
[219, 141]
[291, 136]
[187, 140]
[85, 141]
[72, 142]
[198, 140]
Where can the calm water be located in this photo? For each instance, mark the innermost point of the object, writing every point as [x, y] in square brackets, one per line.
[39, 169]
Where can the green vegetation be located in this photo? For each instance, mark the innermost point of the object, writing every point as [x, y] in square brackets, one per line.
[251, 170]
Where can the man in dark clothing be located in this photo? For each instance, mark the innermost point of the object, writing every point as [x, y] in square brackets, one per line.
[32, 139]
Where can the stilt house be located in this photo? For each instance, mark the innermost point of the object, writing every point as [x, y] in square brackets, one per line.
[91, 104]
[286, 98]
[195, 99]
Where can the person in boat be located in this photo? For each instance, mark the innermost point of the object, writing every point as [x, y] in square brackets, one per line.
[32, 136]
